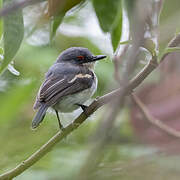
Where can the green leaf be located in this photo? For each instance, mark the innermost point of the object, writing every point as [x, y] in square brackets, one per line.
[55, 24]
[12, 102]
[1, 23]
[126, 42]
[1, 51]
[129, 6]
[106, 11]
[58, 9]
[13, 70]
[166, 51]
[150, 45]
[117, 29]
[172, 49]
[13, 28]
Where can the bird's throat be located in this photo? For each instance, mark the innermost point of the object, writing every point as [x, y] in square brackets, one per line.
[89, 65]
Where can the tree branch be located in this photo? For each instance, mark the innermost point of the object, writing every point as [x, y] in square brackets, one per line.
[97, 103]
[153, 120]
[9, 8]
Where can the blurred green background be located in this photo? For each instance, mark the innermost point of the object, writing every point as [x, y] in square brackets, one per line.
[126, 157]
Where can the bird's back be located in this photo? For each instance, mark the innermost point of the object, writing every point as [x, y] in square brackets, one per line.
[64, 79]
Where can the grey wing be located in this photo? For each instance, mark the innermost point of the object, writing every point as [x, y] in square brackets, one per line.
[59, 85]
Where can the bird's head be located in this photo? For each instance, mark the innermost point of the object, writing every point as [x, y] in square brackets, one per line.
[79, 56]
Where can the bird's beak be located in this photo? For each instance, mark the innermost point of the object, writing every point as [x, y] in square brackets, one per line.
[92, 59]
[98, 57]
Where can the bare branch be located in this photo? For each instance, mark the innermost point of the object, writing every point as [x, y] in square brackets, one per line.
[154, 121]
[117, 61]
[9, 8]
[82, 117]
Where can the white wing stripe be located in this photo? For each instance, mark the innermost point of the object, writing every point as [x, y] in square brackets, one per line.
[80, 76]
[51, 87]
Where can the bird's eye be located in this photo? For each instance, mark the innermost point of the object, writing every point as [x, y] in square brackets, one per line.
[80, 57]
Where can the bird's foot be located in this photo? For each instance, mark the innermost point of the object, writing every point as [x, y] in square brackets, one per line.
[84, 108]
[59, 122]
[61, 127]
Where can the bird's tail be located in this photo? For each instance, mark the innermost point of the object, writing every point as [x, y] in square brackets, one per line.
[39, 116]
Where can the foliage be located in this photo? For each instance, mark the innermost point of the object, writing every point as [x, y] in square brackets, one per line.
[110, 21]
[13, 29]
[33, 37]
[109, 13]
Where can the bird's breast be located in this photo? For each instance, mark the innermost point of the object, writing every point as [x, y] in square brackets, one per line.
[68, 103]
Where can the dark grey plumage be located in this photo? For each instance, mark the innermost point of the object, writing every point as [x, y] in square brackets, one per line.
[57, 83]
[65, 80]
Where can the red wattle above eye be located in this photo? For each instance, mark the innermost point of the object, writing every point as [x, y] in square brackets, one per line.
[80, 57]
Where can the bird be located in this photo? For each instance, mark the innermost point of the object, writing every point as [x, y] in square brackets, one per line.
[68, 84]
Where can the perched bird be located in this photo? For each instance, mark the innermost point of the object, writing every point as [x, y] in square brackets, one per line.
[68, 84]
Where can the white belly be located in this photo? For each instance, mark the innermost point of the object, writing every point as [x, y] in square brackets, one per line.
[67, 104]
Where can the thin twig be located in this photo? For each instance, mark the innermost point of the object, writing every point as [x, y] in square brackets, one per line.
[82, 117]
[117, 61]
[78, 121]
[153, 120]
[9, 8]
[105, 128]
